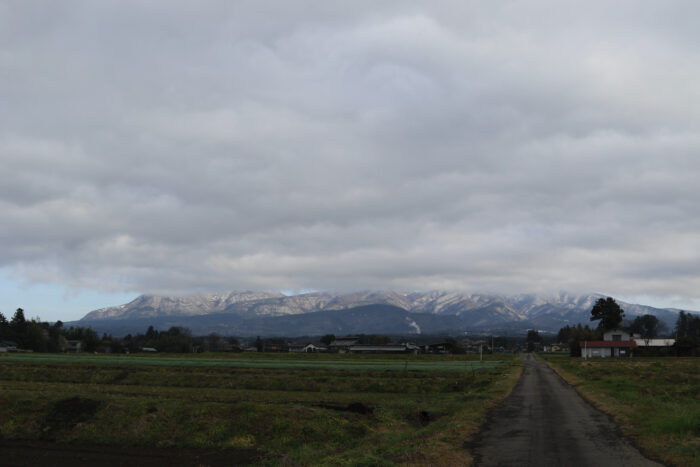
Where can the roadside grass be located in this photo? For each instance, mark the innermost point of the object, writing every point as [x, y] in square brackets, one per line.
[328, 415]
[655, 400]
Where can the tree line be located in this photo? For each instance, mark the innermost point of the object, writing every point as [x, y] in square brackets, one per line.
[39, 336]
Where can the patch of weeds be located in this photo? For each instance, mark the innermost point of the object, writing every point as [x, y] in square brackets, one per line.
[679, 423]
[67, 413]
[120, 376]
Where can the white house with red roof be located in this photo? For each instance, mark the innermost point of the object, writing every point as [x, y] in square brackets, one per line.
[615, 343]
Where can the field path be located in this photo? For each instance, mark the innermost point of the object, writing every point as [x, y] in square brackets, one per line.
[545, 422]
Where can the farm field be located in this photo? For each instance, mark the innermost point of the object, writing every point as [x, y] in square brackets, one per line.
[656, 401]
[266, 409]
[360, 362]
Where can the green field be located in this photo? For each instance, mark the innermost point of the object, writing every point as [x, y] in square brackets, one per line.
[655, 400]
[394, 363]
[306, 409]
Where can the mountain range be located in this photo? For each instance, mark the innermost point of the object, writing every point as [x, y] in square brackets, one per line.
[246, 313]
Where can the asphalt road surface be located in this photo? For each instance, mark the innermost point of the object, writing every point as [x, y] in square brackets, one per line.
[544, 422]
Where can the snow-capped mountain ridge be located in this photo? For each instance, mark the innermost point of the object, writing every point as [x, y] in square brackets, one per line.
[244, 312]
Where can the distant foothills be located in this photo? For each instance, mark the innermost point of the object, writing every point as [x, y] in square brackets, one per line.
[245, 313]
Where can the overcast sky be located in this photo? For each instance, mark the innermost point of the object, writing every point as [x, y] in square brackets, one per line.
[500, 146]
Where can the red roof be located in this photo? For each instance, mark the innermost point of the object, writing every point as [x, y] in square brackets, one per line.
[608, 344]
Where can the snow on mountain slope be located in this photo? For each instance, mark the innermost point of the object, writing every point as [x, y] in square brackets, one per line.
[474, 310]
[155, 305]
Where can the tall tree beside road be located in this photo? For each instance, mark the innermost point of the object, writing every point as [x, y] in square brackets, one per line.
[608, 312]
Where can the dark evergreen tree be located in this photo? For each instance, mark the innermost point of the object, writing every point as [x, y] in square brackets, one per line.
[327, 339]
[564, 334]
[687, 333]
[151, 333]
[648, 326]
[682, 327]
[533, 339]
[608, 313]
[18, 323]
[4, 327]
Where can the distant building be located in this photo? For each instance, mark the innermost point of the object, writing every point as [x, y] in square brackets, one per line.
[73, 346]
[343, 344]
[308, 348]
[388, 348]
[8, 346]
[615, 343]
[351, 344]
[439, 347]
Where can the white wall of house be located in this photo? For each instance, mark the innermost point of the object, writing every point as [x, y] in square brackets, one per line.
[616, 335]
[655, 342]
[604, 352]
[589, 352]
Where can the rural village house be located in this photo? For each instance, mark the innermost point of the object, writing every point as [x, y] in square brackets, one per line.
[615, 343]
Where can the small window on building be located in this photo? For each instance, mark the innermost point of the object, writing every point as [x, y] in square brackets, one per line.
[617, 337]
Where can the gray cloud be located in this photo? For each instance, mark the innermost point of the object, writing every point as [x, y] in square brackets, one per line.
[535, 146]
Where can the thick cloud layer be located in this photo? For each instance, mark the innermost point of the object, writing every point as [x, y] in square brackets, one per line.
[171, 147]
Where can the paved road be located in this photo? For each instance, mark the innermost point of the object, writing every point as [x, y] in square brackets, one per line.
[544, 422]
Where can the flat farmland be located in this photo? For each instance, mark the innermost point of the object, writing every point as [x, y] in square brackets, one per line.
[263, 409]
[358, 362]
[656, 401]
